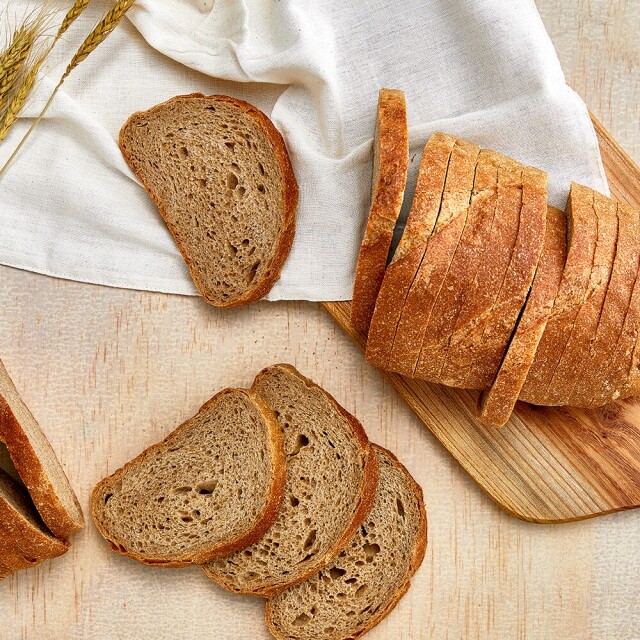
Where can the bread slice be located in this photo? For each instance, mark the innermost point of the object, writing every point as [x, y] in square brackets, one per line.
[571, 366]
[210, 488]
[390, 163]
[496, 405]
[36, 463]
[331, 483]
[408, 256]
[25, 541]
[582, 234]
[220, 174]
[366, 581]
[495, 261]
[610, 358]
[463, 269]
[438, 255]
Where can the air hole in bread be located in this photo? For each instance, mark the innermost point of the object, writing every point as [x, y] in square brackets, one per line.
[400, 507]
[202, 183]
[260, 188]
[294, 501]
[311, 540]
[182, 489]
[336, 573]
[301, 620]
[232, 180]
[108, 497]
[370, 551]
[253, 271]
[261, 168]
[183, 153]
[207, 488]
[230, 145]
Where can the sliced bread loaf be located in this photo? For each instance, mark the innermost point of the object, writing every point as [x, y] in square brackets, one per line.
[486, 286]
[571, 365]
[407, 258]
[366, 581]
[582, 229]
[220, 174]
[496, 405]
[36, 463]
[331, 484]
[439, 252]
[210, 488]
[25, 541]
[390, 162]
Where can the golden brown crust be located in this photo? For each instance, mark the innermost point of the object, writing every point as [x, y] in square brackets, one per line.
[266, 519]
[290, 197]
[437, 258]
[496, 405]
[389, 180]
[582, 232]
[406, 260]
[367, 492]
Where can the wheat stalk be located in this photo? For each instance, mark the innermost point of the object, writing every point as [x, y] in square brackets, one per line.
[93, 40]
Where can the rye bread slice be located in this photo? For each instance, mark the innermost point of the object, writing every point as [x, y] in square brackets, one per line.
[210, 488]
[406, 260]
[582, 231]
[440, 249]
[365, 582]
[220, 174]
[572, 363]
[609, 362]
[25, 541]
[390, 163]
[463, 269]
[36, 463]
[496, 405]
[488, 281]
[331, 483]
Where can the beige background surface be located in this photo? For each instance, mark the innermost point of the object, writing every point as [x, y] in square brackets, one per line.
[108, 372]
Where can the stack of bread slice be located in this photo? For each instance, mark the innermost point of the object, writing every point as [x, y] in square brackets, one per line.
[490, 288]
[278, 493]
[40, 512]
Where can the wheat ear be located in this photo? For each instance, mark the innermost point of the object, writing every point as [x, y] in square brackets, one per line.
[95, 38]
[13, 59]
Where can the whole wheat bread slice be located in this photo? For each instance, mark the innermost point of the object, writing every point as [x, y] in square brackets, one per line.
[437, 258]
[390, 163]
[582, 235]
[406, 260]
[366, 581]
[25, 541]
[210, 488]
[220, 174]
[330, 488]
[572, 363]
[36, 463]
[496, 405]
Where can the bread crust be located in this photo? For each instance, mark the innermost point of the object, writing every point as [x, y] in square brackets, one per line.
[32, 472]
[365, 503]
[289, 197]
[392, 153]
[416, 560]
[404, 265]
[486, 286]
[496, 405]
[265, 520]
[582, 234]
[441, 247]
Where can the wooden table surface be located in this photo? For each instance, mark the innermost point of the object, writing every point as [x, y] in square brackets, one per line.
[108, 372]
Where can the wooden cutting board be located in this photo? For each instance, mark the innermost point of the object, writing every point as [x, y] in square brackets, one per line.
[547, 465]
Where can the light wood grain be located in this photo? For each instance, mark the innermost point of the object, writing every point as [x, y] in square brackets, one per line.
[107, 372]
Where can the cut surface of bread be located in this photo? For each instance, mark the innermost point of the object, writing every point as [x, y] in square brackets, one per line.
[220, 174]
[366, 581]
[441, 247]
[486, 286]
[582, 235]
[330, 488]
[496, 405]
[36, 463]
[611, 353]
[406, 260]
[390, 163]
[572, 362]
[25, 541]
[465, 263]
[213, 486]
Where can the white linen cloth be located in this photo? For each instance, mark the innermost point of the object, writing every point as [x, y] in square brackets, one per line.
[482, 69]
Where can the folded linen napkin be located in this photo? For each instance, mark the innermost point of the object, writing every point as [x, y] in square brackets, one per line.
[483, 69]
